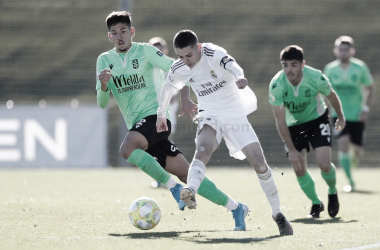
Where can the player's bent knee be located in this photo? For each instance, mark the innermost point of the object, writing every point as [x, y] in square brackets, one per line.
[300, 172]
[260, 167]
[204, 150]
[125, 151]
[325, 167]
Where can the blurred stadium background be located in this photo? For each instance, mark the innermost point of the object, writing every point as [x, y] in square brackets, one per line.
[49, 49]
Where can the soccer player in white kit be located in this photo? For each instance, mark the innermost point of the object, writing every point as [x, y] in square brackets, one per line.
[224, 101]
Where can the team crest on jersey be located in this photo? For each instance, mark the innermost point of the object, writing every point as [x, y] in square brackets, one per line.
[354, 78]
[135, 63]
[159, 53]
[214, 76]
[307, 93]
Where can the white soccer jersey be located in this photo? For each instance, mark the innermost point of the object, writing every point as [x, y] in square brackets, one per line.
[214, 85]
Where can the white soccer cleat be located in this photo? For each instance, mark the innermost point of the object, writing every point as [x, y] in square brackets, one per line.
[188, 196]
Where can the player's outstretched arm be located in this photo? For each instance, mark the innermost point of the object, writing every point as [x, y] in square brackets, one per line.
[165, 96]
[337, 106]
[187, 106]
[369, 90]
[103, 96]
[295, 157]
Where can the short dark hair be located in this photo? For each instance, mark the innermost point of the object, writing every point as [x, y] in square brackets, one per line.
[185, 38]
[292, 52]
[118, 17]
[344, 40]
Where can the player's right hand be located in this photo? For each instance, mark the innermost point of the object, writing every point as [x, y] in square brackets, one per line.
[161, 125]
[296, 159]
[104, 76]
[188, 107]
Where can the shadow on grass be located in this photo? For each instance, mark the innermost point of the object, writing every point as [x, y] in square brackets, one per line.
[361, 192]
[322, 221]
[231, 240]
[199, 238]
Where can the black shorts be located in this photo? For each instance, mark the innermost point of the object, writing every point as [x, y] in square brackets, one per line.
[159, 145]
[356, 131]
[317, 132]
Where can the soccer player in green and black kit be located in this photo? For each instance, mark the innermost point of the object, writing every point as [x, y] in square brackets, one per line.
[128, 72]
[349, 77]
[302, 118]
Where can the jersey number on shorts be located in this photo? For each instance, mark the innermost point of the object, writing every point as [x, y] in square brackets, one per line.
[140, 123]
[325, 129]
[173, 148]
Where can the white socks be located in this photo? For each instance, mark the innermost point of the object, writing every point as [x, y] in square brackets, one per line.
[231, 204]
[171, 183]
[270, 189]
[196, 175]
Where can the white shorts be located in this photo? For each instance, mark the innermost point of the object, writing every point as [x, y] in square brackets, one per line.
[237, 133]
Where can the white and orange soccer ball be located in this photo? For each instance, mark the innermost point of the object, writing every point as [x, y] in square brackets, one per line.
[144, 213]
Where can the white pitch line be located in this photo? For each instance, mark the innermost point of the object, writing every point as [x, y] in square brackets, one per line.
[363, 247]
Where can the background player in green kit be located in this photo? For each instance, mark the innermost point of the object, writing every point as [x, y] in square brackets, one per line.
[302, 118]
[128, 72]
[349, 77]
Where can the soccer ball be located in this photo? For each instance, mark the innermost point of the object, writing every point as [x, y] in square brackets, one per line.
[144, 213]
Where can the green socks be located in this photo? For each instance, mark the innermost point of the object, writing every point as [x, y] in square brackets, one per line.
[149, 165]
[307, 185]
[208, 190]
[330, 179]
[345, 163]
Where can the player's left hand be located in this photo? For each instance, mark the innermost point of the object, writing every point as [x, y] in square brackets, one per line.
[242, 83]
[161, 125]
[340, 124]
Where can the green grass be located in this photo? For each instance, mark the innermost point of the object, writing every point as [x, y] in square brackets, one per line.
[88, 209]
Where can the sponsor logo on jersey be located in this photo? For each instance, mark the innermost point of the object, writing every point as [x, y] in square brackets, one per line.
[159, 53]
[124, 84]
[135, 63]
[296, 108]
[209, 91]
[213, 75]
[307, 93]
[111, 66]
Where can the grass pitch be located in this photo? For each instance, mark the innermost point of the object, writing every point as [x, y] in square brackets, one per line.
[88, 209]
